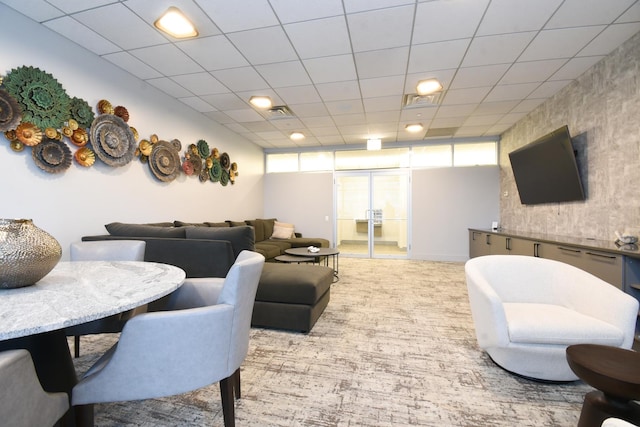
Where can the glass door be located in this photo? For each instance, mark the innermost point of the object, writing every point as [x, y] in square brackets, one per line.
[372, 213]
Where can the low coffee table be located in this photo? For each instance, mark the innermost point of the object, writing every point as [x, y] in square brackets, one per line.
[294, 259]
[615, 372]
[322, 252]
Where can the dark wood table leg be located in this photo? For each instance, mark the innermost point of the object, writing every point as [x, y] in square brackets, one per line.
[597, 407]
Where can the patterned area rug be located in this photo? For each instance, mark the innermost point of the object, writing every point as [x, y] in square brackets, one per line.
[395, 347]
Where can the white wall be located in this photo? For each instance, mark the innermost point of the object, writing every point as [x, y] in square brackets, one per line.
[445, 203]
[304, 199]
[81, 200]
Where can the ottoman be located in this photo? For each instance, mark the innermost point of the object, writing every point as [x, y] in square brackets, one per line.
[291, 296]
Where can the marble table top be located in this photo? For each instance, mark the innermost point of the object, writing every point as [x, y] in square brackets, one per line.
[81, 291]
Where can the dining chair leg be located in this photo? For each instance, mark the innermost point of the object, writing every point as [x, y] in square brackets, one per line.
[236, 383]
[76, 346]
[226, 393]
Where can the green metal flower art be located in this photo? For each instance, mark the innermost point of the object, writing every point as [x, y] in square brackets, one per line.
[203, 148]
[81, 112]
[43, 100]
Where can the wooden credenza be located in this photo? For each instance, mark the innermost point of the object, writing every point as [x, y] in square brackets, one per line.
[618, 266]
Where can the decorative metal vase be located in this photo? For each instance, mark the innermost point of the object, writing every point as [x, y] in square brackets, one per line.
[27, 253]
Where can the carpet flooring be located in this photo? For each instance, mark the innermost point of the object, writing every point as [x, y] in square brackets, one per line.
[395, 347]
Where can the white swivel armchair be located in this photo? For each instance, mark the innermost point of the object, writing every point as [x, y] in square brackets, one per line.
[527, 310]
[105, 250]
[23, 402]
[202, 340]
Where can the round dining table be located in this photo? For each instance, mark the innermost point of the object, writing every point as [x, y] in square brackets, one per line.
[34, 317]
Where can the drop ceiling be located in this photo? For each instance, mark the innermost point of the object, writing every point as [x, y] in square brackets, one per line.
[343, 67]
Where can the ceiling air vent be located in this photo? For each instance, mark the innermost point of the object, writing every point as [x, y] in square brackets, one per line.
[440, 132]
[279, 112]
[413, 100]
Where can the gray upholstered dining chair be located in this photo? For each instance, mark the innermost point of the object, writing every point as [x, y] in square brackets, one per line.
[201, 338]
[105, 250]
[23, 402]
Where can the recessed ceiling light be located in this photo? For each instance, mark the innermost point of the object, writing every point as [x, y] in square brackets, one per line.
[260, 101]
[415, 127]
[296, 136]
[374, 144]
[429, 86]
[174, 23]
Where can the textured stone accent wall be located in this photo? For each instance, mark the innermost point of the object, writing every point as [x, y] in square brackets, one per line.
[602, 111]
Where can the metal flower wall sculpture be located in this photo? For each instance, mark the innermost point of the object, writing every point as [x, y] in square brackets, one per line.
[36, 112]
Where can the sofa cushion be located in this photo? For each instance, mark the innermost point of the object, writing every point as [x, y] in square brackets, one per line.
[530, 323]
[267, 250]
[258, 228]
[218, 224]
[305, 242]
[293, 283]
[143, 230]
[241, 238]
[186, 224]
[282, 230]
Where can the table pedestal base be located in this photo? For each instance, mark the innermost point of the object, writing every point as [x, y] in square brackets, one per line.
[597, 407]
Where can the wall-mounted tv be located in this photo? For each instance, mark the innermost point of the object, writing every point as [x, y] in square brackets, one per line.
[546, 170]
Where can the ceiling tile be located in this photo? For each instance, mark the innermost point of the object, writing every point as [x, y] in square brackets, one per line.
[170, 87]
[381, 63]
[323, 131]
[339, 90]
[516, 16]
[418, 114]
[437, 56]
[352, 6]
[485, 75]
[299, 94]
[295, 10]
[478, 120]
[213, 53]
[240, 79]
[382, 86]
[284, 74]
[197, 104]
[310, 110]
[447, 122]
[612, 37]
[527, 105]
[575, 67]
[349, 119]
[500, 107]
[500, 49]
[383, 103]
[264, 45]
[331, 68]
[133, 65]
[548, 89]
[232, 16]
[345, 107]
[631, 15]
[561, 43]
[532, 71]
[434, 20]
[85, 37]
[381, 29]
[38, 10]
[321, 37]
[167, 59]
[200, 83]
[323, 121]
[389, 116]
[455, 110]
[244, 115]
[120, 25]
[71, 6]
[259, 126]
[465, 96]
[219, 117]
[511, 92]
[574, 13]
[226, 101]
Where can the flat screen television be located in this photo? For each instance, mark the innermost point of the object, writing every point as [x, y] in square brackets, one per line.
[546, 170]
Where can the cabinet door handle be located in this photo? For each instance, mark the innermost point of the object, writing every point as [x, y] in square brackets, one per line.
[488, 239]
[601, 255]
[507, 243]
[473, 235]
[536, 247]
[562, 248]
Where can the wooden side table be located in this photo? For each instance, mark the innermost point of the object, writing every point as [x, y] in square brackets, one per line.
[615, 372]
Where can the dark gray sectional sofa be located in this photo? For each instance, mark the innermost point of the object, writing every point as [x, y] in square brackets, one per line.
[289, 296]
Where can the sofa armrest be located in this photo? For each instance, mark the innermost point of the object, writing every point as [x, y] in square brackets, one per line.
[197, 257]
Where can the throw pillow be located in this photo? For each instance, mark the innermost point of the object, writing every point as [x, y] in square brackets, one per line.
[282, 230]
